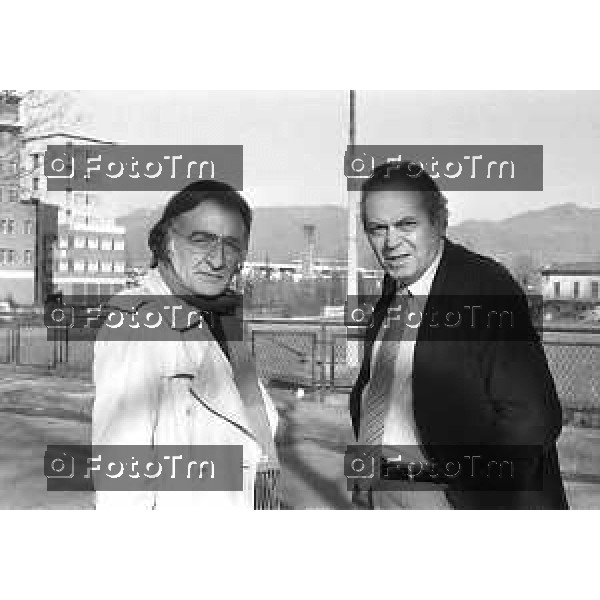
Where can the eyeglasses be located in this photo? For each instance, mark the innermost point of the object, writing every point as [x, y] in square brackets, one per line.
[205, 243]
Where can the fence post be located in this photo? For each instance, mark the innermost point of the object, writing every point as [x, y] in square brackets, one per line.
[54, 346]
[11, 343]
[17, 344]
[313, 365]
[323, 354]
[54, 354]
[332, 364]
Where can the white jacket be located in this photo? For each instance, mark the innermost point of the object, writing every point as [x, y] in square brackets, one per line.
[139, 402]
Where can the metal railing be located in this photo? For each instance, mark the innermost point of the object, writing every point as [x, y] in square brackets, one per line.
[308, 353]
[573, 357]
[26, 342]
[574, 360]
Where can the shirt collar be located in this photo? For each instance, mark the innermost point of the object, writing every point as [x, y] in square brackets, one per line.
[422, 287]
[156, 292]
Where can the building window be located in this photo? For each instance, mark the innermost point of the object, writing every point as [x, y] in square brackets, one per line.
[27, 257]
[3, 256]
[11, 226]
[594, 289]
[28, 227]
[12, 257]
[92, 242]
[557, 289]
[119, 267]
[4, 225]
[79, 241]
[63, 241]
[36, 161]
[36, 184]
[576, 289]
[92, 266]
[63, 265]
[106, 244]
[119, 244]
[106, 267]
[78, 265]
[13, 195]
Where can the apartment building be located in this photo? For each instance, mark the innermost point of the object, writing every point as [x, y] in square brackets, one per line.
[17, 221]
[89, 257]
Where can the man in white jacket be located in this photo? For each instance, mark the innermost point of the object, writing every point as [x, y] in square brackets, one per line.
[188, 384]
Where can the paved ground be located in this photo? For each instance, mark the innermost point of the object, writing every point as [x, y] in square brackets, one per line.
[311, 443]
[36, 410]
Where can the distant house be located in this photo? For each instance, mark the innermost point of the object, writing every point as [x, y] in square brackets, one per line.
[570, 288]
[572, 281]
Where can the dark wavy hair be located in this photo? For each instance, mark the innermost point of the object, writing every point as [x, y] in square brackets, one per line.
[189, 198]
[407, 175]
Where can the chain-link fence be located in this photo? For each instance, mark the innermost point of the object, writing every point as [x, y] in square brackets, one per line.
[286, 356]
[26, 342]
[576, 370]
[308, 353]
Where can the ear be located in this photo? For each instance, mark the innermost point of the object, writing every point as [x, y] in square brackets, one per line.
[169, 245]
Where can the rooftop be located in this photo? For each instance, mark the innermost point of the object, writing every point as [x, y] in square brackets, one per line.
[69, 136]
[574, 268]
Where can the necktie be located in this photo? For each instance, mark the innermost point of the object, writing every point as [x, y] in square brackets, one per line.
[382, 377]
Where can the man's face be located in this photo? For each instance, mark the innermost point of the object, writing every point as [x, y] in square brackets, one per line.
[205, 264]
[400, 233]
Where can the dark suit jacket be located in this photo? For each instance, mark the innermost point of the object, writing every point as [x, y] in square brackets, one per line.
[479, 388]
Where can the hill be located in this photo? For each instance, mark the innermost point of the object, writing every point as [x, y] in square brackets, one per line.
[562, 233]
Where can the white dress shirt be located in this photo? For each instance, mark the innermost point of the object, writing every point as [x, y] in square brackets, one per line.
[399, 424]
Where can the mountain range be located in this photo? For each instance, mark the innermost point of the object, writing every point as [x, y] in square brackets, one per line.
[560, 233]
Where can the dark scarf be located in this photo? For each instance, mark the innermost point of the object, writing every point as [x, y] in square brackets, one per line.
[224, 316]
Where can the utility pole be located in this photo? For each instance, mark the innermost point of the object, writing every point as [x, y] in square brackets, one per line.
[352, 277]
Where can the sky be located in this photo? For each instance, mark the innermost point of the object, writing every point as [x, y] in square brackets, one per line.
[294, 141]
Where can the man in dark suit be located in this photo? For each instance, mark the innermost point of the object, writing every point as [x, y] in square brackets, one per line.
[449, 388]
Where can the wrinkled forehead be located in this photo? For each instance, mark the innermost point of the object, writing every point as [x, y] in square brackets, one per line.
[394, 204]
[212, 217]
